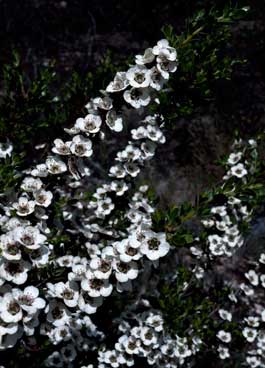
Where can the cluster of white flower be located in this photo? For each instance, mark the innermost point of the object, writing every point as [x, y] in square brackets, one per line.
[224, 223]
[251, 321]
[239, 167]
[78, 333]
[144, 337]
[109, 257]
[112, 241]
[225, 220]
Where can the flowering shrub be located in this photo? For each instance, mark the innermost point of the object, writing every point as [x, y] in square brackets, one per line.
[78, 255]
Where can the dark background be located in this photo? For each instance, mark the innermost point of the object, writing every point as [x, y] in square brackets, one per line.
[77, 32]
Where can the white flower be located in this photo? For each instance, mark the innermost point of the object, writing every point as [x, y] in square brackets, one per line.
[252, 321]
[81, 146]
[95, 287]
[114, 121]
[24, 206]
[119, 84]
[119, 187]
[30, 322]
[162, 49]
[148, 336]
[234, 158]
[10, 249]
[139, 133]
[101, 267]
[219, 210]
[88, 304]
[157, 81]
[128, 250]
[132, 169]
[61, 148]
[30, 184]
[104, 207]
[5, 149]
[104, 103]
[253, 361]
[92, 249]
[68, 292]
[166, 67]
[111, 357]
[137, 97]
[16, 272]
[155, 245]
[11, 328]
[65, 261]
[155, 134]
[155, 321]
[130, 152]
[29, 236]
[139, 76]
[224, 336]
[43, 198]
[250, 334]
[117, 171]
[129, 343]
[40, 257]
[252, 276]
[146, 58]
[125, 271]
[246, 289]
[216, 244]
[10, 310]
[29, 299]
[225, 315]
[57, 313]
[73, 130]
[239, 170]
[148, 148]
[40, 170]
[223, 352]
[61, 333]
[90, 124]
[55, 165]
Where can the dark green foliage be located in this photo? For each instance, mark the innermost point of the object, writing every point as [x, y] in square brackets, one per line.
[32, 110]
[205, 57]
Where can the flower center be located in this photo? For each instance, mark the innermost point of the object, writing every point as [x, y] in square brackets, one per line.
[13, 308]
[153, 244]
[139, 78]
[13, 268]
[68, 294]
[79, 148]
[27, 239]
[123, 267]
[57, 313]
[96, 284]
[12, 249]
[131, 251]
